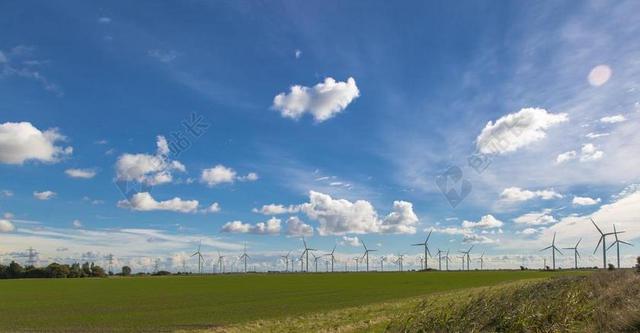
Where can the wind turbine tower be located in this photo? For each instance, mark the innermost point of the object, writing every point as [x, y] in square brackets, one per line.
[199, 254]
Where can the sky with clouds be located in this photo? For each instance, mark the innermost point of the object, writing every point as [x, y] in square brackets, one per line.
[144, 129]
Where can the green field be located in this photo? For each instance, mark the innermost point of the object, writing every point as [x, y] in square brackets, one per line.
[196, 302]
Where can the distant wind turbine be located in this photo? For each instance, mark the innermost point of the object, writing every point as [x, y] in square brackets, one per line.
[333, 258]
[426, 248]
[305, 253]
[466, 255]
[286, 261]
[244, 257]
[439, 253]
[553, 248]
[603, 239]
[197, 253]
[366, 254]
[481, 259]
[576, 254]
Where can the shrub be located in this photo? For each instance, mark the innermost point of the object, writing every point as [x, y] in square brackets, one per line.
[611, 267]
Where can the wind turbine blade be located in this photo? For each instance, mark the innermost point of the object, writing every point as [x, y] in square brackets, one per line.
[594, 223]
[546, 248]
[429, 235]
[365, 246]
[555, 248]
[554, 239]
[599, 241]
[421, 244]
[578, 253]
[612, 244]
[580, 240]
[623, 242]
[428, 252]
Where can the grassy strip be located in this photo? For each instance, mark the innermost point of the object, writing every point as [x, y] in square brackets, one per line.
[599, 302]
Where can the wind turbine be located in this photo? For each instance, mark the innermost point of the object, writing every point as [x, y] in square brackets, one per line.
[603, 239]
[382, 259]
[617, 243]
[305, 253]
[333, 258]
[421, 262]
[447, 260]
[553, 251]
[244, 257]
[481, 261]
[576, 254]
[286, 261]
[315, 260]
[220, 263]
[199, 258]
[439, 253]
[399, 261]
[462, 258]
[357, 260]
[466, 254]
[366, 254]
[426, 248]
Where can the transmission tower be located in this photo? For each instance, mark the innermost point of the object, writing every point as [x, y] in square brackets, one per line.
[110, 260]
[32, 255]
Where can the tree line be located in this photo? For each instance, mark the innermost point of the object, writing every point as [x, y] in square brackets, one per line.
[15, 271]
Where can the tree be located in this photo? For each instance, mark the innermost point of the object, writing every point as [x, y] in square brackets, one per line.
[86, 269]
[97, 271]
[56, 270]
[126, 270]
[15, 271]
[612, 267]
[638, 264]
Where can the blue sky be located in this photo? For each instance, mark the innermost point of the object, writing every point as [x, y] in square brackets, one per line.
[340, 115]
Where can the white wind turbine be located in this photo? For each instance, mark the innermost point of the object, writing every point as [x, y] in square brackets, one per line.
[617, 243]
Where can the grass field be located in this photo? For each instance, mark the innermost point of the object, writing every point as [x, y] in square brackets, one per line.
[197, 302]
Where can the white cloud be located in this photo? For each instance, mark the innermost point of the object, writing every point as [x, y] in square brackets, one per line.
[250, 177]
[593, 135]
[295, 227]
[104, 20]
[529, 231]
[402, 220]
[565, 157]
[163, 55]
[323, 101]
[613, 119]
[20, 142]
[514, 194]
[221, 174]
[44, 195]
[350, 241]
[599, 75]
[144, 202]
[6, 193]
[6, 226]
[298, 54]
[477, 239]
[340, 216]
[270, 227]
[486, 222]
[517, 130]
[77, 224]
[213, 208]
[274, 209]
[80, 173]
[148, 169]
[589, 152]
[536, 218]
[585, 201]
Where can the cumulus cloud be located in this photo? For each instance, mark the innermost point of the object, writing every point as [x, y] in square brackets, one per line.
[350, 241]
[529, 231]
[590, 152]
[220, 174]
[477, 239]
[323, 101]
[80, 173]
[144, 202]
[517, 130]
[44, 195]
[536, 218]
[21, 142]
[566, 156]
[514, 194]
[148, 169]
[486, 222]
[295, 227]
[6, 193]
[6, 226]
[104, 20]
[585, 201]
[275, 209]
[613, 119]
[213, 208]
[270, 227]
[340, 216]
